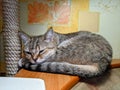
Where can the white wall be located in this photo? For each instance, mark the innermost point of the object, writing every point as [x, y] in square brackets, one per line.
[31, 29]
[109, 25]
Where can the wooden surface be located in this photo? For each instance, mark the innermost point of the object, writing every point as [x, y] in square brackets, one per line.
[52, 81]
[115, 63]
[109, 81]
[57, 81]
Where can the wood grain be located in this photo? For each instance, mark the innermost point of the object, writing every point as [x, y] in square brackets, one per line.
[58, 81]
[52, 81]
[115, 63]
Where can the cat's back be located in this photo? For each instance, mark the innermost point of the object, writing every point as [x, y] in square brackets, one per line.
[84, 45]
[83, 36]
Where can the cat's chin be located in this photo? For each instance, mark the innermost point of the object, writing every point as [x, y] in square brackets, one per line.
[38, 61]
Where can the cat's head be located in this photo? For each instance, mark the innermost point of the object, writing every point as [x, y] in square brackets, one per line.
[37, 49]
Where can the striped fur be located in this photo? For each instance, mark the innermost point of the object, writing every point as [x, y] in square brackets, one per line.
[83, 53]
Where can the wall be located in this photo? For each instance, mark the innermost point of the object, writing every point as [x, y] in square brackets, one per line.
[63, 15]
[109, 12]
[109, 25]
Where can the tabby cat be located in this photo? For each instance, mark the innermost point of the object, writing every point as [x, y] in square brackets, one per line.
[82, 53]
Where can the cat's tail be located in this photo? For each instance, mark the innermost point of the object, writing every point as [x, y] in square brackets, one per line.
[85, 71]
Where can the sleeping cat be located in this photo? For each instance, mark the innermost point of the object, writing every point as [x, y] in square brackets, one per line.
[82, 53]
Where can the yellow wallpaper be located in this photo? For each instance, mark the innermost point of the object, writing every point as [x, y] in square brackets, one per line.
[77, 6]
[89, 21]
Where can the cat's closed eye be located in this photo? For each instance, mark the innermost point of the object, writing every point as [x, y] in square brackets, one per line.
[41, 51]
[27, 52]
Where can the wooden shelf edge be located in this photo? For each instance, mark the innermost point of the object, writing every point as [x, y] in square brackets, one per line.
[59, 81]
[64, 86]
[115, 63]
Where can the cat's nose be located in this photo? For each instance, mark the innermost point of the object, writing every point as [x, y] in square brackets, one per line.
[35, 59]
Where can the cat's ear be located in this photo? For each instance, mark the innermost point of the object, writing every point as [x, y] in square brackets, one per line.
[24, 37]
[49, 35]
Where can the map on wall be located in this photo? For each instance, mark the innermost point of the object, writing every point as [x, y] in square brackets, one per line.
[53, 12]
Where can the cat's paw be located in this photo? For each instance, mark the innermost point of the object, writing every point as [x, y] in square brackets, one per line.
[20, 62]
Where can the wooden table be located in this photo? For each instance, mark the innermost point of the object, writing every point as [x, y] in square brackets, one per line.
[57, 81]
[52, 81]
[115, 63]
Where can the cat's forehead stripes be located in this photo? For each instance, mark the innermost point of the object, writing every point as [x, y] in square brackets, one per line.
[34, 43]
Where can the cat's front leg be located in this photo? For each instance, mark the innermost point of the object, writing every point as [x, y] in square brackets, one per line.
[22, 62]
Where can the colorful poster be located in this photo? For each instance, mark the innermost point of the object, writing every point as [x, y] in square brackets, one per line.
[55, 12]
[62, 15]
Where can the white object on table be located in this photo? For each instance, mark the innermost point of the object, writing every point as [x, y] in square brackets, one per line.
[12, 83]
